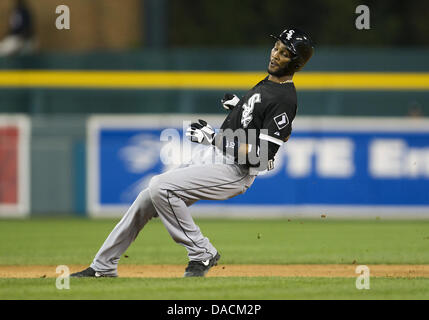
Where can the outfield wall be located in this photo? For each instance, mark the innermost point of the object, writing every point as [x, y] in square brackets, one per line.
[337, 81]
[340, 167]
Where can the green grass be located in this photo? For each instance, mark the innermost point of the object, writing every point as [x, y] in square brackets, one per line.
[324, 241]
[259, 288]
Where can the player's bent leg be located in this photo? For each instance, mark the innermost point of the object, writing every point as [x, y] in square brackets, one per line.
[171, 193]
[174, 214]
[106, 260]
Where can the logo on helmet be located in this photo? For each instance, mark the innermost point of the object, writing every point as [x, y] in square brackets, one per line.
[289, 34]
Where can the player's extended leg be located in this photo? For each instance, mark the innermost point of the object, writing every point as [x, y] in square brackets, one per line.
[172, 192]
[106, 260]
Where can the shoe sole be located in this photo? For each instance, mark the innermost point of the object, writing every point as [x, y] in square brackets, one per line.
[94, 276]
[190, 275]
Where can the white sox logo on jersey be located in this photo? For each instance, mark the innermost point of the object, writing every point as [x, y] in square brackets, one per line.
[248, 107]
[281, 120]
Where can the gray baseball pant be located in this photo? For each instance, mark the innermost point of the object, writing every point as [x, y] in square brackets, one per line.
[168, 196]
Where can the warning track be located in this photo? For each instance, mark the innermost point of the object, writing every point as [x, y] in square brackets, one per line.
[176, 271]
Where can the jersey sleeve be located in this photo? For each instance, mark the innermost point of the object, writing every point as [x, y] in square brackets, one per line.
[277, 124]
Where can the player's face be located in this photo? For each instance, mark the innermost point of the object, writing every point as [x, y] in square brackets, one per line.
[279, 59]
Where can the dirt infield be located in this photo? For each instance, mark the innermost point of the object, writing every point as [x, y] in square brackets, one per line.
[172, 271]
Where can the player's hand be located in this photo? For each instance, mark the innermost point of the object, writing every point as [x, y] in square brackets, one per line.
[229, 101]
[200, 132]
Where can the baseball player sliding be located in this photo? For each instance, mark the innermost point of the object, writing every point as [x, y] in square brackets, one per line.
[256, 126]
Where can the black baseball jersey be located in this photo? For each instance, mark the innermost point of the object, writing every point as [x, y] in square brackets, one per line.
[268, 105]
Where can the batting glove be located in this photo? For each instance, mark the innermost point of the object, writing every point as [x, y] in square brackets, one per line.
[229, 101]
[200, 132]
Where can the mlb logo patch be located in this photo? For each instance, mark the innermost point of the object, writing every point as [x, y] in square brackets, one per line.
[281, 120]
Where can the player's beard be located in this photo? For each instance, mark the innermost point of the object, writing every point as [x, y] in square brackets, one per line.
[280, 72]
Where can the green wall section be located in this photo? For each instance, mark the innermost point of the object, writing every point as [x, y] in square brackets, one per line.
[327, 102]
[363, 103]
[58, 172]
[242, 59]
[58, 161]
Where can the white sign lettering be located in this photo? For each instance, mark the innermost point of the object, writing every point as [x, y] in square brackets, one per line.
[393, 158]
[333, 157]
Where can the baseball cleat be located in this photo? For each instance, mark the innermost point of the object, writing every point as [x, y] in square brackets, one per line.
[90, 273]
[200, 268]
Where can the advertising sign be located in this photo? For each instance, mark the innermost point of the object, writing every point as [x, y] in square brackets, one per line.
[337, 166]
[14, 165]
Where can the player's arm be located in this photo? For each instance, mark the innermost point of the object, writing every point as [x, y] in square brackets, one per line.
[276, 130]
[255, 155]
[230, 101]
[201, 132]
[245, 148]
